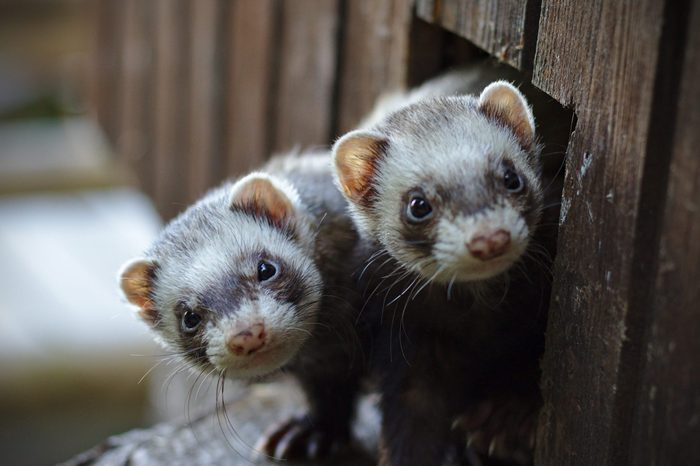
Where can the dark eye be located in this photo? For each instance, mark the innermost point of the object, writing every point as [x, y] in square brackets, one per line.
[190, 321]
[266, 271]
[419, 208]
[512, 181]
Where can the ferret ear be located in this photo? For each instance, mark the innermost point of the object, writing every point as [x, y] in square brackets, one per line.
[136, 281]
[264, 195]
[355, 156]
[502, 101]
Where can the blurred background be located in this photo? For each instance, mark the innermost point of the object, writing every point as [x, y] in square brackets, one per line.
[70, 214]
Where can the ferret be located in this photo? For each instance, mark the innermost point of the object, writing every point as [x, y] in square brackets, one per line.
[252, 279]
[447, 193]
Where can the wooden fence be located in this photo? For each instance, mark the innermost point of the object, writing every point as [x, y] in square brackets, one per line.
[191, 92]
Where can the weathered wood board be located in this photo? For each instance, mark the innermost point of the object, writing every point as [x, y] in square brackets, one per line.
[506, 29]
[107, 65]
[171, 106]
[606, 60]
[227, 438]
[206, 66]
[248, 84]
[373, 56]
[665, 427]
[305, 73]
[134, 139]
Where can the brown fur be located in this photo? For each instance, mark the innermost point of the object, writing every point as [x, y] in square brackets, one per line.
[356, 162]
[261, 197]
[137, 282]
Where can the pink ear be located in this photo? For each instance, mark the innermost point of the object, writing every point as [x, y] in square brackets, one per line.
[501, 101]
[356, 156]
[258, 193]
[136, 281]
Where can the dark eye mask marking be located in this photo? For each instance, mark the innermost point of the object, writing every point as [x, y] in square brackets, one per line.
[417, 233]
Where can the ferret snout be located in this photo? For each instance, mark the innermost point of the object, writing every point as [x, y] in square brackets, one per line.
[489, 246]
[248, 341]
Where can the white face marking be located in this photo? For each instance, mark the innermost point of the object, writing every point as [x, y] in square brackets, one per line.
[286, 333]
[453, 236]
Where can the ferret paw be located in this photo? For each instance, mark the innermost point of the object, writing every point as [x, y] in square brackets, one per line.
[296, 439]
[501, 430]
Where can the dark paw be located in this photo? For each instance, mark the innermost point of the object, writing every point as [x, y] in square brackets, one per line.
[504, 430]
[297, 439]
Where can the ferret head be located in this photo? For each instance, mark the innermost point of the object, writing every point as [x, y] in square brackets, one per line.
[231, 284]
[449, 186]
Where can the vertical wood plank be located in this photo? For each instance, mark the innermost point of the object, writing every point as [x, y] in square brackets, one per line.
[374, 56]
[666, 425]
[506, 28]
[205, 69]
[602, 58]
[307, 65]
[171, 106]
[107, 66]
[135, 139]
[250, 68]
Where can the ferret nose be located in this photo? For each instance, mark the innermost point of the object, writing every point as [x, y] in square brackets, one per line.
[489, 246]
[248, 341]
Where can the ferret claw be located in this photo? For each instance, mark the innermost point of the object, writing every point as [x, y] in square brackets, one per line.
[293, 440]
[492, 447]
[504, 431]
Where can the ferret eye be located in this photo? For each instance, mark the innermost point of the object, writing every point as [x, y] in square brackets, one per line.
[190, 321]
[512, 181]
[419, 208]
[266, 271]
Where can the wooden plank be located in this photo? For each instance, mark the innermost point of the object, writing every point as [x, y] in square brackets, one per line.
[666, 425]
[135, 139]
[602, 58]
[171, 106]
[249, 83]
[206, 109]
[107, 57]
[506, 29]
[306, 72]
[374, 56]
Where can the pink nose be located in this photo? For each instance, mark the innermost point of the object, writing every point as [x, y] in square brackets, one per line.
[489, 246]
[248, 341]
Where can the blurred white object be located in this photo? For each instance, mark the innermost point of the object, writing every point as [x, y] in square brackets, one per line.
[59, 256]
[69, 374]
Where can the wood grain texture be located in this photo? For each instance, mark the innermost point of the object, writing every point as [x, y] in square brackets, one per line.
[374, 56]
[249, 82]
[603, 59]
[171, 107]
[666, 426]
[135, 137]
[206, 108]
[305, 73]
[505, 29]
